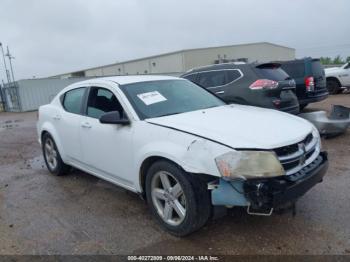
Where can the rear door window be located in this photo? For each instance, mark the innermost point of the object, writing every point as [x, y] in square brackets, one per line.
[317, 68]
[233, 75]
[73, 99]
[294, 70]
[212, 78]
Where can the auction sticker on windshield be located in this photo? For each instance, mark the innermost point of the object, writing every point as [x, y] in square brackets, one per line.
[150, 98]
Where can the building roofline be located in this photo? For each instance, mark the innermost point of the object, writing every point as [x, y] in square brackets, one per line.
[169, 53]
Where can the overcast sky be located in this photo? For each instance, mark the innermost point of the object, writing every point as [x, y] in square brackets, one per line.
[53, 37]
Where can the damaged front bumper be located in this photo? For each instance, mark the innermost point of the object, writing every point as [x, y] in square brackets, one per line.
[268, 193]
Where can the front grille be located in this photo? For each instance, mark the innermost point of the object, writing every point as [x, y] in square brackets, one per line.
[294, 157]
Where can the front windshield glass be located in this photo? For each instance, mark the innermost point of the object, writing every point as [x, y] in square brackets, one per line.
[168, 97]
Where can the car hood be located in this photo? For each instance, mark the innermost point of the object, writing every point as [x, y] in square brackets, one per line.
[240, 126]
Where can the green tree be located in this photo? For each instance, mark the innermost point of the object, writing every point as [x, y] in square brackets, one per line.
[338, 60]
[326, 60]
[348, 59]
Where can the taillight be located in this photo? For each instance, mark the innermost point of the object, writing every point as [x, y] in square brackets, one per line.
[309, 83]
[264, 84]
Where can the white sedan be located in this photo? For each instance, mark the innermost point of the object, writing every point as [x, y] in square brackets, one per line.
[180, 147]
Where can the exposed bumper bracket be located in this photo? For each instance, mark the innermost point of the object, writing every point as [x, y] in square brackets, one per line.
[261, 196]
[266, 212]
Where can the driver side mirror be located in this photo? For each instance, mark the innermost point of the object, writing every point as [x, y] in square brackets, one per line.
[113, 118]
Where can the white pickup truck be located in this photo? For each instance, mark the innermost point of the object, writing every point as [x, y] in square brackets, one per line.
[338, 78]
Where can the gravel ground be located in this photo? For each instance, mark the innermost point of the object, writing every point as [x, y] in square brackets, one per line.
[80, 214]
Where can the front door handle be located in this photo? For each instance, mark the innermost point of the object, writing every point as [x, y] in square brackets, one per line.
[86, 125]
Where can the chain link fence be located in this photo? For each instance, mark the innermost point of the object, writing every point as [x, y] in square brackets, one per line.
[10, 98]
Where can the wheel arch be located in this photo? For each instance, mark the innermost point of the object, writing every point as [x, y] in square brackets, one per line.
[47, 128]
[335, 79]
[149, 161]
[146, 164]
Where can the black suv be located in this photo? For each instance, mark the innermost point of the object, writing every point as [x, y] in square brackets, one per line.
[264, 85]
[310, 79]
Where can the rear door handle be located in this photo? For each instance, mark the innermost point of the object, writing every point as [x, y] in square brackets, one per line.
[220, 92]
[86, 125]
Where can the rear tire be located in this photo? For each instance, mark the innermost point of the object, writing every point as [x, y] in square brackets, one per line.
[333, 86]
[52, 157]
[194, 198]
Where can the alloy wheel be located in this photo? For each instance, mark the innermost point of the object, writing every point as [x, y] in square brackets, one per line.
[50, 153]
[168, 198]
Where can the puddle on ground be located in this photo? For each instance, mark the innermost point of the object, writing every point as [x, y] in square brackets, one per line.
[10, 124]
[35, 163]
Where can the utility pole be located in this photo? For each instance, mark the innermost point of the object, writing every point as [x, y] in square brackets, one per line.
[10, 57]
[6, 71]
[2, 96]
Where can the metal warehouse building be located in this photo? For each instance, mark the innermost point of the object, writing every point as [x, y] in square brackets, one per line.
[178, 62]
[28, 95]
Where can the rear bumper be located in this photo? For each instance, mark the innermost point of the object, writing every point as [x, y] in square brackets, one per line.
[314, 97]
[294, 109]
[262, 194]
[289, 102]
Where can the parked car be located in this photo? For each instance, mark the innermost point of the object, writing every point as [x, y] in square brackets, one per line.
[180, 147]
[310, 79]
[263, 85]
[338, 77]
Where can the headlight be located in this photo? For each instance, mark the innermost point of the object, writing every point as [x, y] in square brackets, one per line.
[249, 164]
[316, 134]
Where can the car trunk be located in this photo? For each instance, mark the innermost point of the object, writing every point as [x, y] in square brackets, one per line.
[285, 92]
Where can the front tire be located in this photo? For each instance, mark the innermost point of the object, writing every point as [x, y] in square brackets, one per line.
[179, 204]
[52, 157]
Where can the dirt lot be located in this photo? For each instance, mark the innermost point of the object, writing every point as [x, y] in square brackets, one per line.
[80, 214]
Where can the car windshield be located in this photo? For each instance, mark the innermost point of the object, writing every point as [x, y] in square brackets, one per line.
[168, 97]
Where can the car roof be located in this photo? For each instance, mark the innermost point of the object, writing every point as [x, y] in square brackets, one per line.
[224, 66]
[123, 80]
[216, 67]
[299, 60]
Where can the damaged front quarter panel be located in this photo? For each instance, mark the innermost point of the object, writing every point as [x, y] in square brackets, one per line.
[200, 156]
